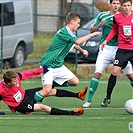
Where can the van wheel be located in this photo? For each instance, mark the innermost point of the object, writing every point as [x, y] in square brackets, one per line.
[18, 58]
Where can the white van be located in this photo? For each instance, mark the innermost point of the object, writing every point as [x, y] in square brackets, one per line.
[17, 31]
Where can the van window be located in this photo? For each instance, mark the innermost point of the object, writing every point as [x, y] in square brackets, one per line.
[8, 13]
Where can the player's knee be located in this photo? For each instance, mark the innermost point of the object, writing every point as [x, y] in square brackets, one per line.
[97, 75]
[76, 82]
[47, 89]
[115, 72]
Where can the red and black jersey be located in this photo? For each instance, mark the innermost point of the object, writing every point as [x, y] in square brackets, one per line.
[13, 96]
[123, 26]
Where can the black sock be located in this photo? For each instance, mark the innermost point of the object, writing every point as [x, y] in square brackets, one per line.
[65, 93]
[55, 111]
[111, 84]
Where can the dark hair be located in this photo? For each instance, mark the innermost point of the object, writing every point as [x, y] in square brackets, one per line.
[8, 76]
[124, 1]
[72, 16]
[113, 0]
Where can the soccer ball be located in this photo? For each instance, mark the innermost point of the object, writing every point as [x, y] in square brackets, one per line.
[129, 106]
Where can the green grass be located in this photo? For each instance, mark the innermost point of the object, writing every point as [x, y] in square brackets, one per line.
[96, 119]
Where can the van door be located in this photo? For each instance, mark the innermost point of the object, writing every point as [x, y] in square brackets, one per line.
[17, 31]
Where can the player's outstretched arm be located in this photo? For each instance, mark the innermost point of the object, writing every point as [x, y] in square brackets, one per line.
[83, 39]
[32, 73]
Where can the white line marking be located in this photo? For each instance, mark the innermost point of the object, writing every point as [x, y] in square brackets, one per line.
[85, 109]
[55, 117]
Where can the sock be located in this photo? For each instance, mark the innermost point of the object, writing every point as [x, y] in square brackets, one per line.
[111, 84]
[65, 93]
[38, 97]
[55, 111]
[131, 82]
[65, 84]
[93, 87]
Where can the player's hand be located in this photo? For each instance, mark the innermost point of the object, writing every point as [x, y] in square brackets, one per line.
[96, 33]
[85, 53]
[45, 69]
[103, 44]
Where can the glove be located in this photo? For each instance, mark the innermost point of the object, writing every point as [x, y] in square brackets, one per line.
[1, 112]
[45, 69]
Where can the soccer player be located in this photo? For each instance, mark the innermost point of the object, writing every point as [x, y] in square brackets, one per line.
[123, 26]
[104, 20]
[54, 57]
[23, 101]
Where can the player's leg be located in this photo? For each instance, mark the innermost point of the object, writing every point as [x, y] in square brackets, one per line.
[61, 93]
[56, 111]
[93, 87]
[47, 80]
[120, 62]
[60, 76]
[130, 69]
[65, 93]
[64, 75]
[110, 86]
[103, 60]
[129, 72]
[29, 105]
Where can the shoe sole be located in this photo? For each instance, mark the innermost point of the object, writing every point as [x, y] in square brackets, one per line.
[103, 105]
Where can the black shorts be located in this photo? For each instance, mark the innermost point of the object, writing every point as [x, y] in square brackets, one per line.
[27, 105]
[122, 57]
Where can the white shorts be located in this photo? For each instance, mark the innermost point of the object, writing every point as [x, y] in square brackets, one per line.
[106, 57]
[59, 75]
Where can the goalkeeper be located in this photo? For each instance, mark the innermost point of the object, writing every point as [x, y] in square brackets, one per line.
[23, 101]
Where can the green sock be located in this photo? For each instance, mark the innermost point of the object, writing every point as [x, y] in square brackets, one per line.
[93, 87]
[38, 97]
[65, 84]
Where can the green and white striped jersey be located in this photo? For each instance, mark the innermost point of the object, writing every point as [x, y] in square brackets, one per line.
[106, 27]
[59, 48]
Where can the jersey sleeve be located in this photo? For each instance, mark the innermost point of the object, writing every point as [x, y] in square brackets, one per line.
[30, 73]
[67, 37]
[113, 32]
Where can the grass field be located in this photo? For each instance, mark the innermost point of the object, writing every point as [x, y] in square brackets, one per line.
[96, 119]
